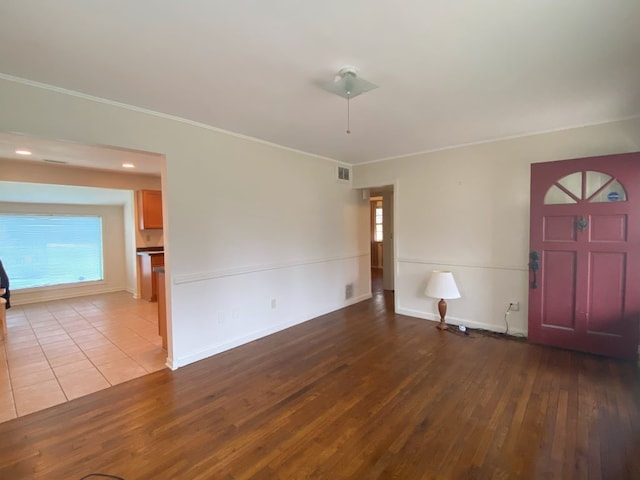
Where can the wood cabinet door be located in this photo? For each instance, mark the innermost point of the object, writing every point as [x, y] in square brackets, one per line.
[150, 209]
[148, 278]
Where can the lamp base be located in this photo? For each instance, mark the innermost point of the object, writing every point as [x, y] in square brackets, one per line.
[442, 310]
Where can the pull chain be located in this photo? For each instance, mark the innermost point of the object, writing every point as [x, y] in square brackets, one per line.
[348, 112]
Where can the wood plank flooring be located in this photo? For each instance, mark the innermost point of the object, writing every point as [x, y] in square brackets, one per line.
[361, 393]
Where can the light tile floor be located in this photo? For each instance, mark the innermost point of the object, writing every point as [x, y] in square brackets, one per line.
[57, 351]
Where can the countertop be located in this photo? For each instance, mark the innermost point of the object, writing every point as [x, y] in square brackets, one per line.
[149, 250]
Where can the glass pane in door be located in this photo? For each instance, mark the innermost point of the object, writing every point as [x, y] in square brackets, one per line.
[556, 196]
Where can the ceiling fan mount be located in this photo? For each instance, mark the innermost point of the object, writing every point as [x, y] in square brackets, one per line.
[347, 84]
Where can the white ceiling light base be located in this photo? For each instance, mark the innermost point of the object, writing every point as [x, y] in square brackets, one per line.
[347, 84]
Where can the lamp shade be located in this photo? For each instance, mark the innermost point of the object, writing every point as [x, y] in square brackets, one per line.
[441, 284]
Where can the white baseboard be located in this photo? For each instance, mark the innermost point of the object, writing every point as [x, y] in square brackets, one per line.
[170, 364]
[48, 295]
[460, 321]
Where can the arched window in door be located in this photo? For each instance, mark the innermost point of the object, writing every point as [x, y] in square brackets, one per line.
[589, 186]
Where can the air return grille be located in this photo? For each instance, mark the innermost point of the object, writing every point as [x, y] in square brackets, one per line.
[57, 162]
[344, 174]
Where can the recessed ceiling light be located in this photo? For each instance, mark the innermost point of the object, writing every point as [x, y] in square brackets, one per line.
[22, 151]
[128, 165]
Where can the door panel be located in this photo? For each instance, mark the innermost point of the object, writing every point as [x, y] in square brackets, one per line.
[608, 228]
[585, 228]
[606, 292]
[558, 288]
[559, 229]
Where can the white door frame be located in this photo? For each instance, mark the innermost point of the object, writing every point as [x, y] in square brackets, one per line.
[394, 251]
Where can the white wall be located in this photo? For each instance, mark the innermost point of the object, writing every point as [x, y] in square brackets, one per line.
[247, 222]
[113, 242]
[467, 210]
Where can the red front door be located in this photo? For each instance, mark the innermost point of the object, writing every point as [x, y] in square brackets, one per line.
[584, 291]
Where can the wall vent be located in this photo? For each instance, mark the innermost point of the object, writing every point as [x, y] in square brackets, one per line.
[58, 162]
[348, 291]
[344, 174]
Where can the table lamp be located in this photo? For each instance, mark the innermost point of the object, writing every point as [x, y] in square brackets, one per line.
[442, 285]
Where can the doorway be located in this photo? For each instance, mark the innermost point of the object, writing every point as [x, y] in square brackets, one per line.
[382, 239]
[584, 291]
[76, 339]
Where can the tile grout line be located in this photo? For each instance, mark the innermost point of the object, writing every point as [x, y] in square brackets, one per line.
[11, 380]
[45, 355]
[13, 396]
[125, 353]
[82, 349]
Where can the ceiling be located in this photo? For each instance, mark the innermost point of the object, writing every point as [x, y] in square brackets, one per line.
[55, 152]
[20, 192]
[449, 73]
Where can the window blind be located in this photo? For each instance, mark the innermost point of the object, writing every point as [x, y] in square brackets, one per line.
[46, 250]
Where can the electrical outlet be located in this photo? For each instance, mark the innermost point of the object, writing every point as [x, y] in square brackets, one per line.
[273, 303]
[514, 306]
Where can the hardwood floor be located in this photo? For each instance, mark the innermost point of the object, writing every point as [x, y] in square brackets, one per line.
[361, 393]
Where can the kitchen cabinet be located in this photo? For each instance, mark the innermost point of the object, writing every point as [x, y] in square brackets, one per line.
[148, 278]
[149, 209]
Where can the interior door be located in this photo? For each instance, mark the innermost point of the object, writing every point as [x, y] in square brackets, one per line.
[584, 291]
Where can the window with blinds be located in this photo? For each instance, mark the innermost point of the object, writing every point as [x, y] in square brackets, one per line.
[46, 250]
